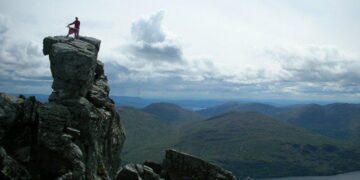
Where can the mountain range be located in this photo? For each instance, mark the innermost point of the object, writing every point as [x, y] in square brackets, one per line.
[338, 120]
[256, 140]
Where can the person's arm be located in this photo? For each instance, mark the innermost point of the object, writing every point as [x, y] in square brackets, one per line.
[71, 23]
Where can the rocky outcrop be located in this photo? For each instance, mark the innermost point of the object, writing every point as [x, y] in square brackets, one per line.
[78, 134]
[137, 172]
[11, 168]
[73, 63]
[176, 166]
[179, 165]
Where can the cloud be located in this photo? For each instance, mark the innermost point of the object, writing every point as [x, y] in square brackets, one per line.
[3, 28]
[152, 43]
[312, 72]
[22, 62]
[154, 63]
[318, 69]
[149, 29]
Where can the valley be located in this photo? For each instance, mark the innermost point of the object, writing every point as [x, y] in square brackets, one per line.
[255, 140]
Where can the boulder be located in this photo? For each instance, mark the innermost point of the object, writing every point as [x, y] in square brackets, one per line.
[9, 113]
[137, 172]
[178, 165]
[72, 63]
[77, 134]
[156, 167]
[10, 168]
[93, 126]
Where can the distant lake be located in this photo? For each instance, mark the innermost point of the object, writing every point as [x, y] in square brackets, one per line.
[346, 176]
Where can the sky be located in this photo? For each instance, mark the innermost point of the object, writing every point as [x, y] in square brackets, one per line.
[204, 49]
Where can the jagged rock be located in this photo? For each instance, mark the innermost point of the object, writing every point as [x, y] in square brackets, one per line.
[78, 134]
[11, 169]
[29, 107]
[81, 86]
[16, 121]
[99, 92]
[156, 167]
[92, 41]
[137, 172]
[72, 63]
[9, 111]
[179, 165]
[52, 120]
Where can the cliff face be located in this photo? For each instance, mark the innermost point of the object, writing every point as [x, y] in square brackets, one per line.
[77, 135]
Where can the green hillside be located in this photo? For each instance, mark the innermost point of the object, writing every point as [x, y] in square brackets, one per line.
[334, 120]
[252, 144]
[146, 136]
[172, 113]
[233, 106]
[340, 120]
[247, 143]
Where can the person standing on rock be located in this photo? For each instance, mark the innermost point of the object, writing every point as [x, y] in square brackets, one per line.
[74, 29]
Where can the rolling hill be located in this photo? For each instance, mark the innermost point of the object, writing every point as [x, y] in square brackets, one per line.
[334, 120]
[171, 113]
[339, 120]
[247, 143]
[256, 145]
[146, 136]
[233, 106]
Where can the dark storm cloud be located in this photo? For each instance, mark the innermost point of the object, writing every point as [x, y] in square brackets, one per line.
[152, 43]
[158, 52]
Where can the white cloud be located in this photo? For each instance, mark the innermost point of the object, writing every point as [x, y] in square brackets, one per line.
[149, 29]
[152, 44]
[22, 63]
[318, 69]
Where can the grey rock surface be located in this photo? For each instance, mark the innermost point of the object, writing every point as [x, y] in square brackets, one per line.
[78, 134]
[156, 167]
[9, 111]
[10, 168]
[72, 63]
[137, 172]
[178, 165]
[92, 133]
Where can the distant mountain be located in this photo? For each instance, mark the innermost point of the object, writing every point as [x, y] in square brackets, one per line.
[256, 145]
[140, 102]
[171, 113]
[247, 143]
[131, 101]
[338, 120]
[40, 97]
[233, 106]
[147, 137]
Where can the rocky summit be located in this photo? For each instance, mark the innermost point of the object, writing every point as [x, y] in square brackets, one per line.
[78, 134]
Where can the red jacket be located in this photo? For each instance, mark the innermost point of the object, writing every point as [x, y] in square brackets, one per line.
[76, 23]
